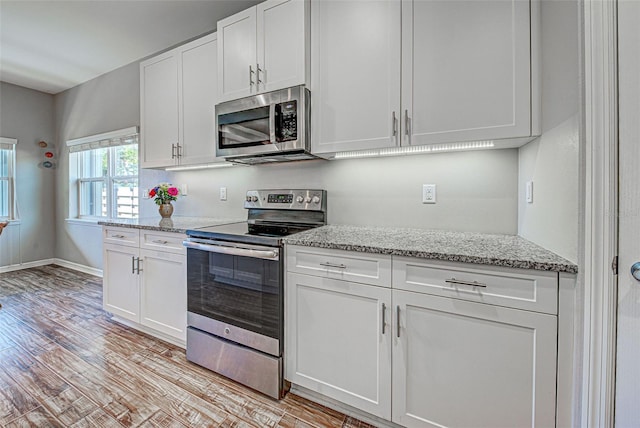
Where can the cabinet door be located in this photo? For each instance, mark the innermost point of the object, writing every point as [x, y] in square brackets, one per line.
[237, 55]
[466, 70]
[199, 78]
[159, 116]
[463, 364]
[281, 44]
[335, 341]
[121, 293]
[163, 292]
[355, 74]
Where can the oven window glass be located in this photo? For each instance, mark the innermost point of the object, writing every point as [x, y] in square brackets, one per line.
[241, 291]
[243, 129]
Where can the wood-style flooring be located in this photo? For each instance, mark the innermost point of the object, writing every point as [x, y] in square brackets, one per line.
[64, 363]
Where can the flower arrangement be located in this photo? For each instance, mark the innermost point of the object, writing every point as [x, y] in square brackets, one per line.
[164, 193]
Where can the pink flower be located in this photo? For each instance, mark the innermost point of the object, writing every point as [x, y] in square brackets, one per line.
[173, 191]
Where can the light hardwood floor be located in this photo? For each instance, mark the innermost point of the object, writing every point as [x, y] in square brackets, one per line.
[64, 363]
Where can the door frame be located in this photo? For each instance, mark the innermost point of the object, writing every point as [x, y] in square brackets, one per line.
[599, 225]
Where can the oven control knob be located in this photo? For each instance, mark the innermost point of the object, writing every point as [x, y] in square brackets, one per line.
[308, 199]
[299, 199]
[254, 199]
[316, 199]
[248, 198]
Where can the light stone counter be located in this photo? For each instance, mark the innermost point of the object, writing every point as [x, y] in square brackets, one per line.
[466, 247]
[175, 224]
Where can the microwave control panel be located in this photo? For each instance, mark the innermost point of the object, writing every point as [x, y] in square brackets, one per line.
[286, 121]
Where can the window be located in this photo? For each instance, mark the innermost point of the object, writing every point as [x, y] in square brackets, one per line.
[105, 174]
[7, 177]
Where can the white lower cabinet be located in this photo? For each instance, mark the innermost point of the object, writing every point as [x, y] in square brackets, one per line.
[465, 364]
[121, 288]
[340, 340]
[416, 358]
[144, 281]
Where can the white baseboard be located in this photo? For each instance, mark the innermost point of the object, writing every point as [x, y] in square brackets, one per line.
[27, 265]
[55, 261]
[76, 266]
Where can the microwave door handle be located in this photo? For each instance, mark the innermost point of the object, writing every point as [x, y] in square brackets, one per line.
[272, 123]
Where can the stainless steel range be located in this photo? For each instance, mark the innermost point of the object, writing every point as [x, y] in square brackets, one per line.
[235, 287]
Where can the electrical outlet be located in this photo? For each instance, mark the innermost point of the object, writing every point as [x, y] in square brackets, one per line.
[529, 192]
[184, 190]
[428, 193]
[145, 193]
[223, 193]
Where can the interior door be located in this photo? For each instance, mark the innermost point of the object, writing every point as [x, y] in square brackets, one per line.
[627, 412]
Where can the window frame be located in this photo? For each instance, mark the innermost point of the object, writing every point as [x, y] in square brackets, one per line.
[11, 143]
[108, 141]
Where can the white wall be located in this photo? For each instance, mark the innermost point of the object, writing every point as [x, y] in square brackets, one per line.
[476, 191]
[551, 161]
[106, 103]
[27, 115]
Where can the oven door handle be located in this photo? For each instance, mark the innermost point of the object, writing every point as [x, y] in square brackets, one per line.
[235, 251]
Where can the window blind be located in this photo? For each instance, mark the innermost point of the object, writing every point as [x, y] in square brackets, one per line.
[7, 143]
[120, 137]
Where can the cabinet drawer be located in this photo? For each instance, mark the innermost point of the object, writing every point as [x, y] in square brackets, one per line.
[121, 235]
[162, 241]
[365, 268]
[515, 288]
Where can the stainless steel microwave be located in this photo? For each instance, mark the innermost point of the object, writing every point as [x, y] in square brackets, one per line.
[270, 127]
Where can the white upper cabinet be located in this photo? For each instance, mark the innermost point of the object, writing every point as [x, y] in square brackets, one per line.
[410, 72]
[355, 75]
[178, 94]
[159, 115]
[199, 78]
[465, 70]
[263, 49]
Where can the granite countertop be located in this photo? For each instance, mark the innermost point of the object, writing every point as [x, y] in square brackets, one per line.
[174, 224]
[489, 249]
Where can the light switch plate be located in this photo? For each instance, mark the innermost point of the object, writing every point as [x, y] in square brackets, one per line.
[184, 190]
[428, 193]
[529, 192]
[223, 193]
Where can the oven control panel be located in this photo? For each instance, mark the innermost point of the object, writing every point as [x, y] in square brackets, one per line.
[294, 199]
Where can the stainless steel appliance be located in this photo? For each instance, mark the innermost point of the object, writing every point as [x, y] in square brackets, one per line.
[270, 127]
[235, 287]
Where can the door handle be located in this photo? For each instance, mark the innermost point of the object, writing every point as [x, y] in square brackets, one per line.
[398, 320]
[394, 127]
[635, 271]
[133, 265]
[138, 265]
[258, 71]
[251, 72]
[384, 321]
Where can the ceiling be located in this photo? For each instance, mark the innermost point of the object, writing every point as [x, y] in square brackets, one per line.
[51, 46]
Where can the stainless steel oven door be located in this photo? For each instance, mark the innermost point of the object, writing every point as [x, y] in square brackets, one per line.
[235, 291]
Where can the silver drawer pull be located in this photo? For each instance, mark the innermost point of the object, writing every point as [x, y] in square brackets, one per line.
[159, 241]
[473, 284]
[333, 265]
[119, 236]
[384, 321]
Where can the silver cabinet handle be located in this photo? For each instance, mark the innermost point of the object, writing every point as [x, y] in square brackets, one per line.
[173, 151]
[119, 236]
[133, 265]
[159, 241]
[394, 125]
[384, 321]
[471, 283]
[635, 271]
[258, 71]
[406, 123]
[138, 265]
[398, 320]
[178, 150]
[251, 72]
[333, 265]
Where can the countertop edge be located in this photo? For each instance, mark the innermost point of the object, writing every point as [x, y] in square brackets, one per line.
[450, 257]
